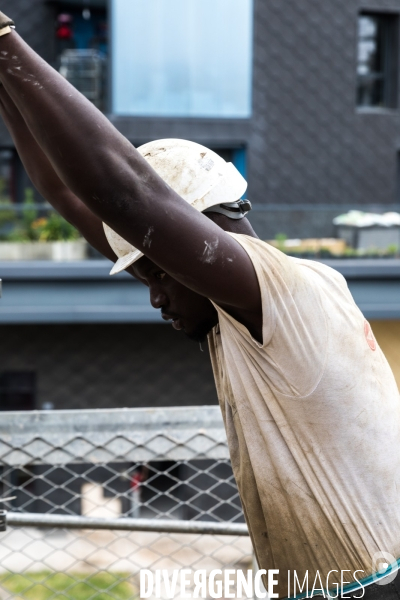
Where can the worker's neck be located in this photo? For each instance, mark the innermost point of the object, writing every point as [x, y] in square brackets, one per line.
[232, 225]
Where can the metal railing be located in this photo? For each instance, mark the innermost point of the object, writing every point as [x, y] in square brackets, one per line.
[100, 495]
[127, 524]
[86, 70]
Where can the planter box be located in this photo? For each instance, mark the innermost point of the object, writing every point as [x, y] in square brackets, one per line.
[56, 251]
[368, 238]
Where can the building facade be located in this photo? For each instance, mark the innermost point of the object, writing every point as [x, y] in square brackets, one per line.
[321, 135]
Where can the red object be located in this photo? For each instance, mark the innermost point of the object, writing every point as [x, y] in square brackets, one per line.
[64, 27]
[136, 480]
[64, 32]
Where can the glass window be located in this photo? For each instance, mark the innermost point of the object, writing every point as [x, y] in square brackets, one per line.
[376, 61]
[182, 58]
[81, 46]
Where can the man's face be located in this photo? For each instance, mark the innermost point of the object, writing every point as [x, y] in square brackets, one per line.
[192, 313]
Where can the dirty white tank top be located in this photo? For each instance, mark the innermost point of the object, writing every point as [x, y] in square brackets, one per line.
[312, 417]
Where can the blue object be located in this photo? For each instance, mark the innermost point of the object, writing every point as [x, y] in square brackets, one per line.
[239, 160]
[182, 58]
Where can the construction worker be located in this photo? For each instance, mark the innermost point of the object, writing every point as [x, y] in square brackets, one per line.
[311, 407]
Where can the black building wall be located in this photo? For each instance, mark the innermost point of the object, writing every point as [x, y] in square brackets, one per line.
[109, 366]
[34, 20]
[310, 153]
[308, 143]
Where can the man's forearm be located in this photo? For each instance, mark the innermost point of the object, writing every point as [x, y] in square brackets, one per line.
[36, 163]
[79, 139]
[47, 182]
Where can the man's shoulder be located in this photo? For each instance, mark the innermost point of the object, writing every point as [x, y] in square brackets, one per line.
[260, 249]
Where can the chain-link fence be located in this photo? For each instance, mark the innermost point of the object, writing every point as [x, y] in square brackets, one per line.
[112, 470]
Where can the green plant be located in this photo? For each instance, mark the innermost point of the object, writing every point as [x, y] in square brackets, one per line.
[350, 253]
[281, 238]
[28, 226]
[325, 253]
[29, 212]
[393, 250]
[22, 229]
[54, 229]
[7, 216]
[389, 252]
[7, 212]
[74, 586]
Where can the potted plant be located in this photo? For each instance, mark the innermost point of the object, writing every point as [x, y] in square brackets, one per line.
[36, 233]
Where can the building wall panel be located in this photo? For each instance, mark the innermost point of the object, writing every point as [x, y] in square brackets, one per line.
[387, 334]
[109, 366]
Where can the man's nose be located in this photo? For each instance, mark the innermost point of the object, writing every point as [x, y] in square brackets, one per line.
[157, 297]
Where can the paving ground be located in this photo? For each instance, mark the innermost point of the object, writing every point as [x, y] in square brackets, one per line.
[30, 550]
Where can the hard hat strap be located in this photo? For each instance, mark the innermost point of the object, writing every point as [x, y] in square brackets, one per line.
[233, 210]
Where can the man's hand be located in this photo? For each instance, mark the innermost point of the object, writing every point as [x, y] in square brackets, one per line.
[5, 22]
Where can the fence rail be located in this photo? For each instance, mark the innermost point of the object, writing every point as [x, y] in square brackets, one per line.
[97, 436]
[159, 526]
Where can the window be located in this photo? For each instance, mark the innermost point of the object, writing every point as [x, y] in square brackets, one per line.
[237, 156]
[182, 58]
[377, 60]
[82, 45]
[17, 390]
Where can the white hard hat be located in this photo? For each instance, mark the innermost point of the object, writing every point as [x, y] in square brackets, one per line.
[197, 174]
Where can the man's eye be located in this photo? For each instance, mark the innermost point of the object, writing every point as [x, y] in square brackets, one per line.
[160, 275]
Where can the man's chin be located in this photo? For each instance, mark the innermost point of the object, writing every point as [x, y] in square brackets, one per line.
[199, 334]
[195, 337]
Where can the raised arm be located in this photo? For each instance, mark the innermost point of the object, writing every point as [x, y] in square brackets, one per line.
[106, 172]
[47, 182]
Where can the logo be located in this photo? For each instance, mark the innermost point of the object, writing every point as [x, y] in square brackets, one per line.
[384, 568]
[369, 336]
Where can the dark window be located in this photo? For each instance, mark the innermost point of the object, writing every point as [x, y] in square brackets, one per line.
[377, 60]
[17, 390]
[237, 156]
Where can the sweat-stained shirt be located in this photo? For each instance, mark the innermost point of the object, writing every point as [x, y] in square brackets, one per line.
[312, 417]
